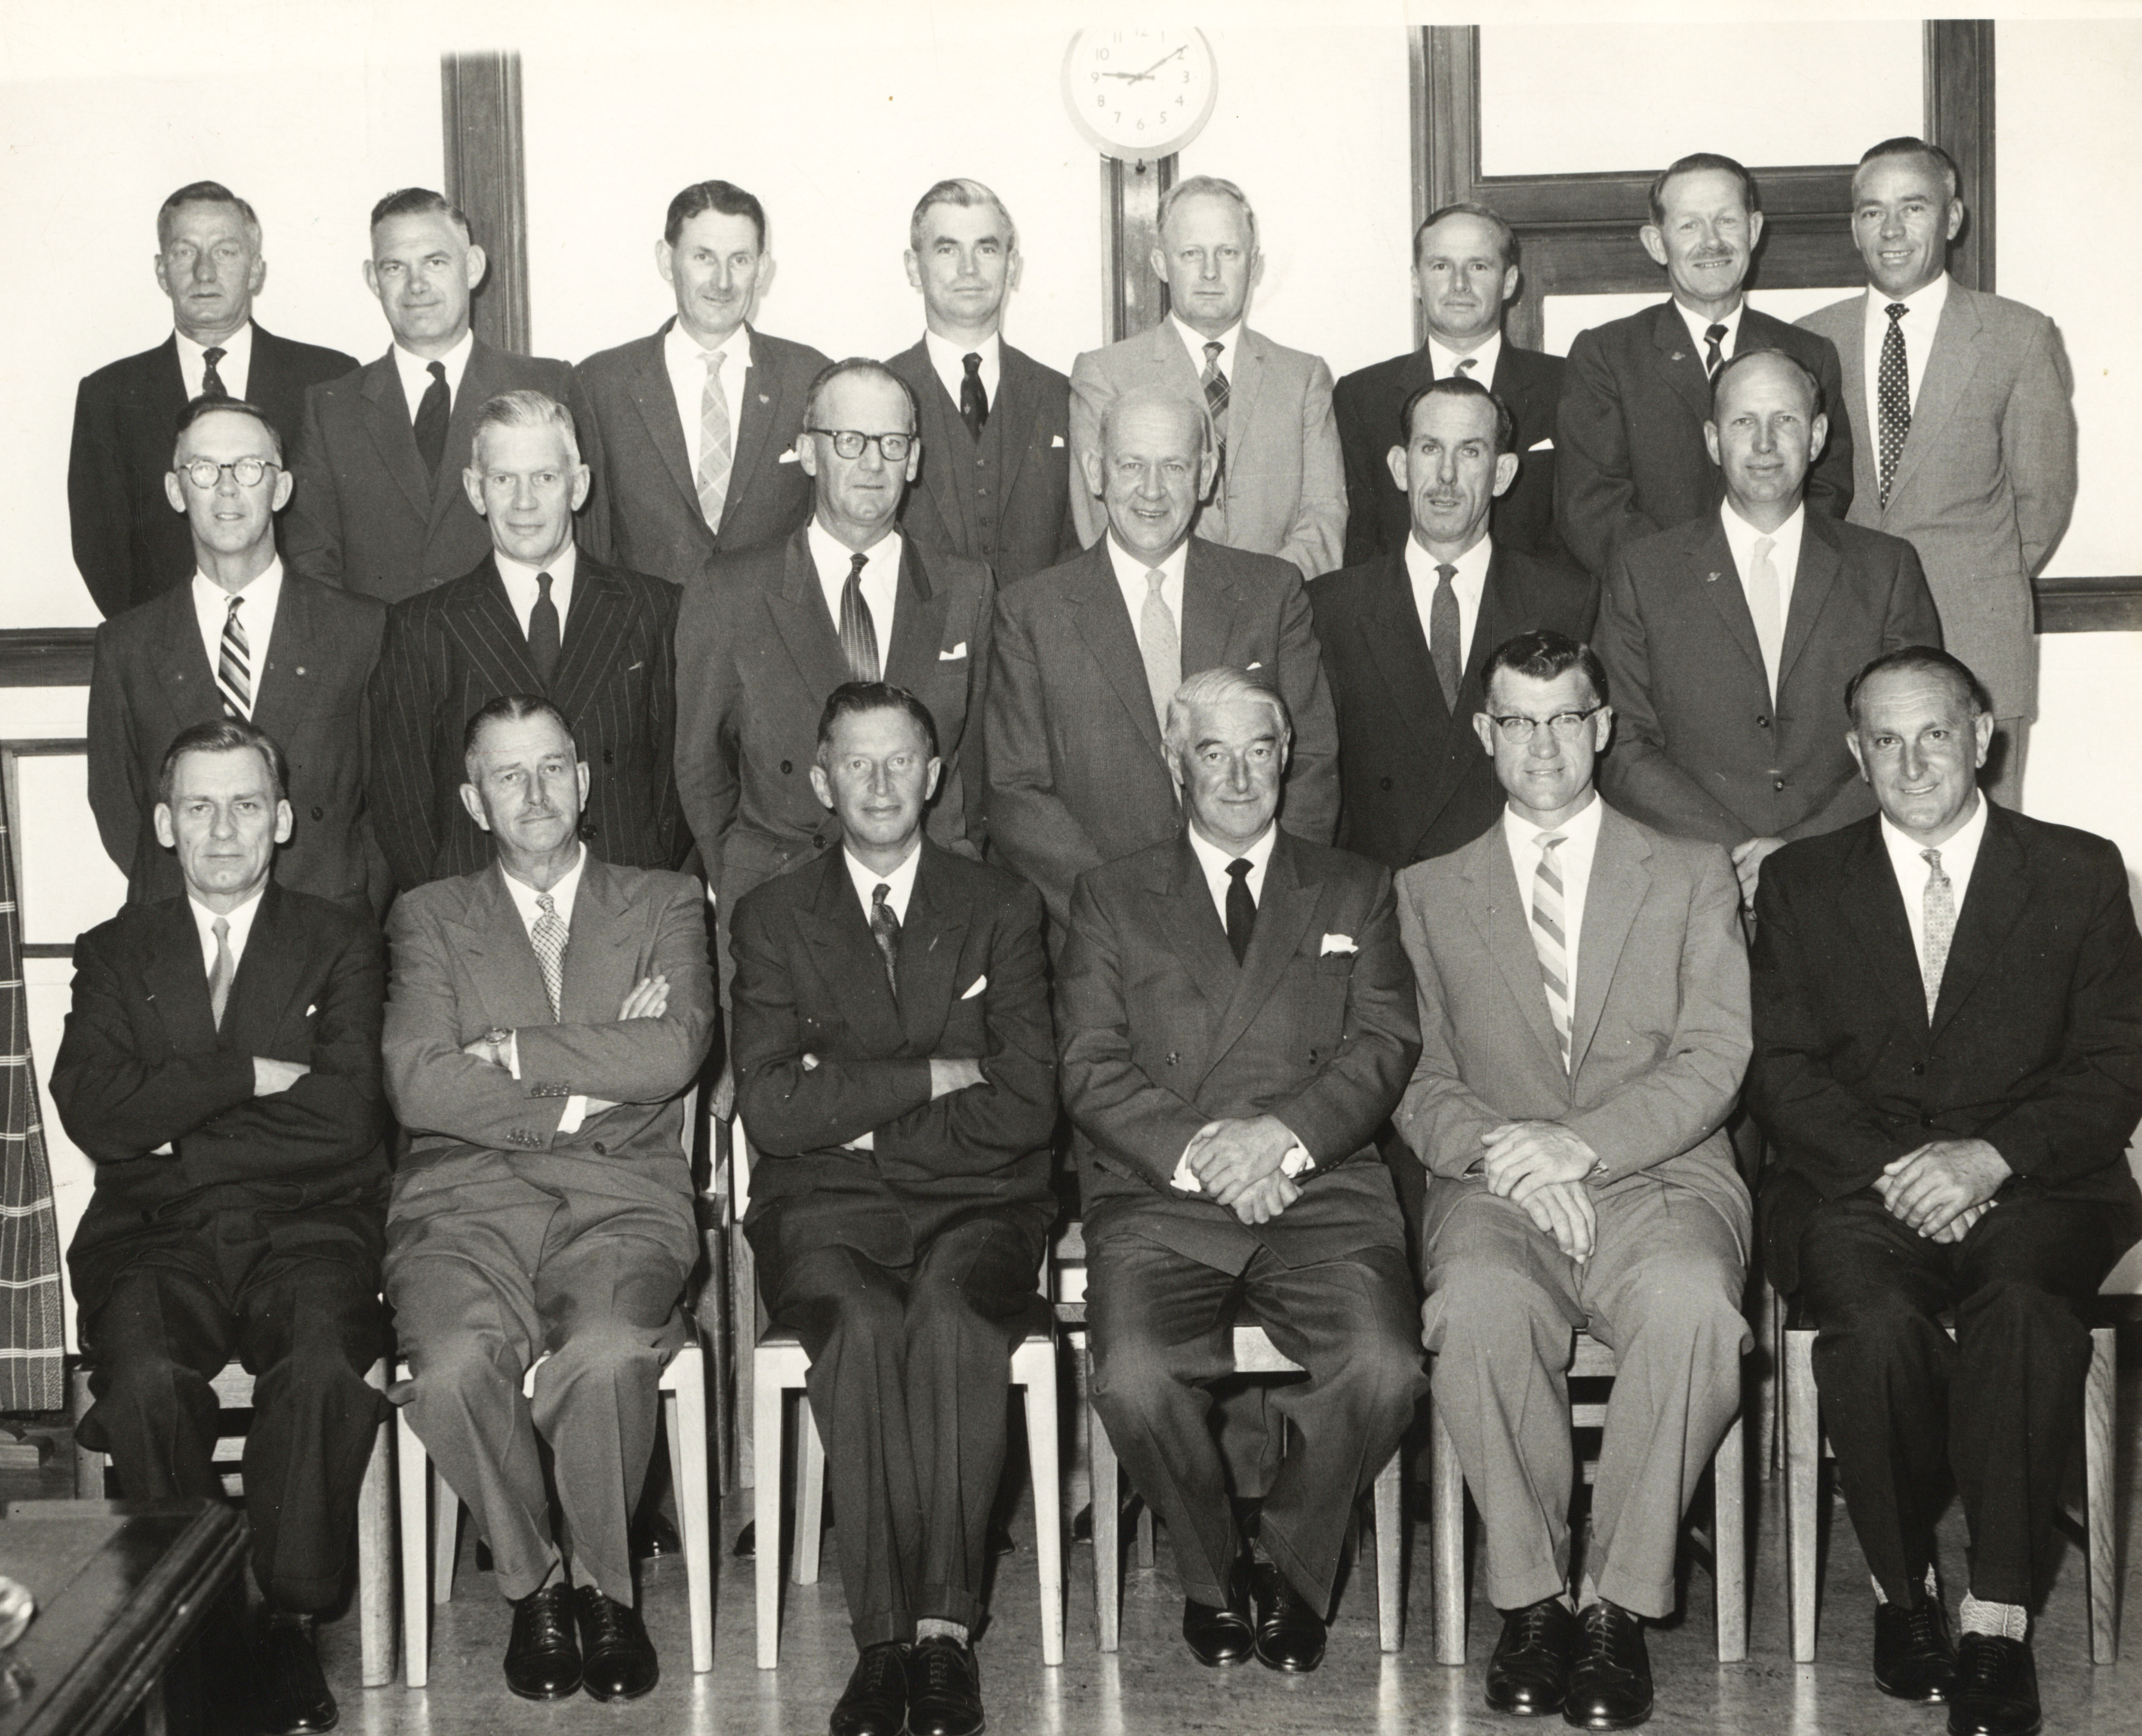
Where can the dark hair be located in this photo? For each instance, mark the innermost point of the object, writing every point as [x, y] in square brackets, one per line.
[713, 195]
[1506, 237]
[852, 698]
[223, 735]
[862, 365]
[1692, 164]
[1542, 654]
[1921, 660]
[1462, 386]
[204, 192]
[1813, 386]
[509, 708]
[422, 202]
[196, 408]
[1909, 146]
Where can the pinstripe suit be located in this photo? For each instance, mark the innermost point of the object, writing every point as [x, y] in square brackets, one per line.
[450, 650]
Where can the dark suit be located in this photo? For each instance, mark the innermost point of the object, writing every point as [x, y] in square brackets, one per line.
[1414, 780]
[450, 651]
[649, 498]
[2035, 1046]
[909, 1270]
[256, 1236]
[365, 516]
[1700, 749]
[1368, 403]
[1632, 459]
[151, 678]
[1004, 500]
[128, 542]
[1161, 1031]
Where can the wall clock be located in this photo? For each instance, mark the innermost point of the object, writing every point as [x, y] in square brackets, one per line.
[1140, 91]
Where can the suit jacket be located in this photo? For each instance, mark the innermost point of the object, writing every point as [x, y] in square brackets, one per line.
[1161, 1031]
[972, 983]
[151, 678]
[650, 497]
[128, 542]
[1282, 485]
[450, 651]
[1077, 774]
[2035, 1045]
[1658, 1034]
[365, 516]
[1368, 403]
[1986, 478]
[1032, 526]
[1700, 750]
[1414, 780]
[1632, 459]
[463, 965]
[142, 1065]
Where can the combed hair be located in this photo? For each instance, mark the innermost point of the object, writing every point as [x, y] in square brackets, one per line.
[422, 202]
[203, 192]
[1921, 660]
[1692, 164]
[862, 365]
[1813, 386]
[1909, 146]
[1208, 439]
[508, 708]
[1196, 186]
[1462, 386]
[967, 193]
[525, 408]
[222, 735]
[196, 408]
[1542, 654]
[1218, 686]
[1506, 238]
[725, 197]
[851, 697]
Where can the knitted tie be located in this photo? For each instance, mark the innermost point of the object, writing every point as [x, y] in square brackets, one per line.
[1767, 606]
[233, 665]
[1713, 358]
[548, 938]
[1159, 645]
[858, 632]
[1551, 942]
[1217, 394]
[212, 384]
[1893, 384]
[432, 411]
[1241, 908]
[974, 401]
[218, 976]
[885, 930]
[1443, 634]
[1940, 920]
[716, 455]
[543, 633]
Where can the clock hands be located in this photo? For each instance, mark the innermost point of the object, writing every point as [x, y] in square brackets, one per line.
[1140, 77]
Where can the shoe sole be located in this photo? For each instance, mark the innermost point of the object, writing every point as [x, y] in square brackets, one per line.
[544, 1700]
[1937, 1698]
[1608, 1723]
[1291, 1669]
[616, 1699]
[1540, 1711]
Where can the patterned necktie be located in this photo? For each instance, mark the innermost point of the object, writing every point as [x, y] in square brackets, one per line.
[1713, 358]
[1159, 645]
[1241, 908]
[1893, 384]
[858, 632]
[432, 411]
[1443, 634]
[1765, 605]
[715, 454]
[212, 384]
[233, 665]
[548, 937]
[1940, 920]
[219, 975]
[885, 930]
[1217, 394]
[974, 401]
[543, 633]
[1550, 941]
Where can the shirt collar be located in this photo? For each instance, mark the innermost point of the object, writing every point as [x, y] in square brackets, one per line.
[1580, 829]
[1959, 850]
[241, 920]
[902, 879]
[949, 357]
[682, 348]
[261, 591]
[1741, 537]
[1131, 569]
[1214, 861]
[1698, 326]
[562, 892]
[416, 370]
[1925, 304]
[1443, 363]
[832, 558]
[1471, 579]
[519, 573]
[237, 349]
[1195, 342]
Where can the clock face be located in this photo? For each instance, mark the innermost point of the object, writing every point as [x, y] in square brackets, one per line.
[1141, 92]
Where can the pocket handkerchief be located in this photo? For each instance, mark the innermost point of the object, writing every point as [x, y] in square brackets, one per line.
[312, 1009]
[955, 654]
[1055, 440]
[980, 983]
[1542, 446]
[1337, 944]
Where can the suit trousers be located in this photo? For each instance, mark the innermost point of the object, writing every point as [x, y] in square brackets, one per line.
[479, 1294]
[298, 1304]
[910, 1369]
[1161, 1326]
[1996, 1410]
[1662, 1290]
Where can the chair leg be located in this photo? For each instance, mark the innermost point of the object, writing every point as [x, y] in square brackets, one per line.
[2099, 1501]
[1447, 1539]
[1042, 1450]
[1108, 1528]
[89, 1464]
[375, 1553]
[1388, 1498]
[764, 1468]
[1145, 1529]
[686, 1410]
[1802, 1431]
[446, 1540]
[412, 1479]
[1728, 1542]
[1770, 1388]
[810, 1494]
[744, 1311]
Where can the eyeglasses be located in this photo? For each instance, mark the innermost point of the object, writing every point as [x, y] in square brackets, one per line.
[204, 473]
[848, 443]
[1564, 725]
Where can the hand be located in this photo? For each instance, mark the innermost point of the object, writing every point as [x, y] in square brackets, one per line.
[949, 1074]
[1523, 1155]
[649, 999]
[1959, 1227]
[1228, 1157]
[270, 1076]
[1262, 1201]
[1748, 859]
[1564, 1211]
[1930, 1188]
[725, 1088]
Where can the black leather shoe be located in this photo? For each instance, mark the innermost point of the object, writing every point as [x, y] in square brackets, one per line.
[875, 1701]
[1529, 1673]
[295, 1700]
[1914, 1659]
[655, 1536]
[1290, 1635]
[1609, 1681]
[1219, 1634]
[617, 1657]
[943, 1688]
[1997, 1688]
[543, 1657]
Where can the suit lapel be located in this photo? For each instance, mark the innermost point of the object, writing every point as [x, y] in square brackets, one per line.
[1620, 881]
[266, 977]
[1209, 601]
[595, 635]
[482, 619]
[1874, 906]
[1399, 648]
[1712, 571]
[754, 427]
[800, 617]
[1812, 585]
[2000, 889]
[657, 401]
[929, 943]
[1195, 933]
[598, 962]
[493, 939]
[480, 380]
[1284, 912]
[1243, 385]
[280, 701]
[394, 435]
[1014, 413]
[1680, 362]
[1098, 611]
[1495, 903]
[839, 935]
[918, 622]
[944, 444]
[177, 981]
[189, 681]
[1951, 359]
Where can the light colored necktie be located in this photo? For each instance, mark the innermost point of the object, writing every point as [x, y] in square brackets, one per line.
[715, 452]
[1549, 941]
[233, 665]
[548, 937]
[1893, 388]
[1940, 922]
[885, 930]
[220, 976]
[1764, 605]
[858, 632]
[1159, 645]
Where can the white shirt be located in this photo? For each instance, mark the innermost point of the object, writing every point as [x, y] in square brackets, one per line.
[901, 881]
[1741, 537]
[562, 895]
[256, 617]
[241, 926]
[522, 590]
[1214, 861]
[684, 357]
[1580, 836]
[1918, 326]
[1959, 855]
[1470, 583]
[416, 372]
[881, 580]
[949, 359]
[1131, 570]
[1444, 362]
[234, 367]
[1698, 327]
[1195, 342]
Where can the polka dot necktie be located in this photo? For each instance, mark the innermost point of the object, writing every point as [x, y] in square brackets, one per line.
[1893, 384]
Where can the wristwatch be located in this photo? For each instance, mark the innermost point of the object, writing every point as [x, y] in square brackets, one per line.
[499, 1041]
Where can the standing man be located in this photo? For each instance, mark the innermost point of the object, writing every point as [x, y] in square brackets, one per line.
[1729, 639]
[1464, 272]
[220, 1069]
[245, 640]
[1227, 1071]
[538, 614]
[698, 423]
[1088, 655]
[1277, 484]
[379, 505]
[1964, 439]
[1630, 430]
[895, 1065]
[1948, 1067]
[129, 548]
[1584, 1023]
[549, 1013]
[996, 482]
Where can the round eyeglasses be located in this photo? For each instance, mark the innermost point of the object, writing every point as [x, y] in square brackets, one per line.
[849, 443]
[204, 473]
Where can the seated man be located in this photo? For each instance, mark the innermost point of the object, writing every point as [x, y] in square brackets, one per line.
[221, 1069]
[901, 1093]
[1948, 1067]
[547, 1013]
[1236, 1024]
[1584, 1023]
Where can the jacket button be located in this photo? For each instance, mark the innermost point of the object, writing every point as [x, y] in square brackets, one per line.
[610, 756]
[590, 832]
[1173, 1059]
[1919, 1069]
[1762, 723]
[1777, 783]
[1925, 1121]
[786, 768]
[817, 843]
[318, 812]
[1312, 1057]
[1383, 783]
[601, 1150]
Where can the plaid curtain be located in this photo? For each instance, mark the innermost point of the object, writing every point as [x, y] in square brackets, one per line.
[32, 1330]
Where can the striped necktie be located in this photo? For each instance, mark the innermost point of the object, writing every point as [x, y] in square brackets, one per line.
[233, 665]
[1713, 358]
[1551, 942]
[858, 632]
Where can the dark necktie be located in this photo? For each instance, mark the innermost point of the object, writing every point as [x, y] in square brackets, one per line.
[432, 411]
[974, 401]
[233, 664]
[1893, 384]
[1466, 364]
[212, 384]
[885, 930]
[1242, 908]
[1713, 358]
[543, 633]
[858, 634]
[1217, 394]
[1443, 634]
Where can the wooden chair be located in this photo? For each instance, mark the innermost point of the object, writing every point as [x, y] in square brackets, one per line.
[1806, 1446]
[375, 1518]
[1728, 1545]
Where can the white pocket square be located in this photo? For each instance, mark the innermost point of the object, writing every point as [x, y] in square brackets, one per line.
[955, 654]
[1542, 446]
[1339, 943]
[787, 457]
[312, 1009]
[1257, 666]
[980, 983]
[1055, 440]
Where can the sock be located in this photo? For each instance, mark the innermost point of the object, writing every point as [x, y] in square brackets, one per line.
[929, 1627]
[2002, 1621]
[1934, 1586]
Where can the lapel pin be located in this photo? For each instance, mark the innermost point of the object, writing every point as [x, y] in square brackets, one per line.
[1678, 355]
[1710, 578]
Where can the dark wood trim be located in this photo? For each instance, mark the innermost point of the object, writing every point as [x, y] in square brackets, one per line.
[12, 751]
[1959, 86]
[486, 176]
[46, 656]
[2111, 605]
[1133, 298]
